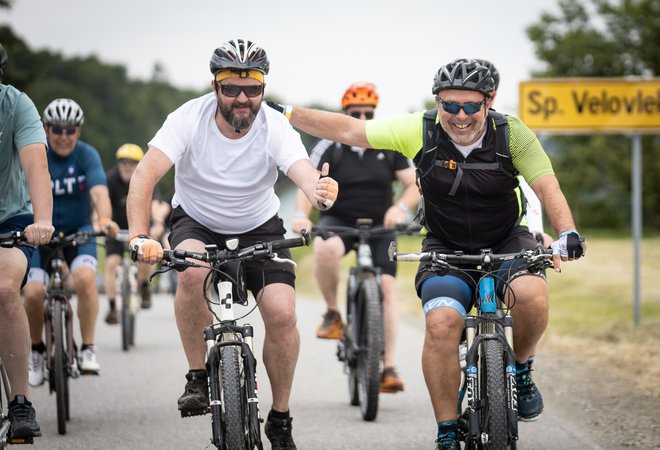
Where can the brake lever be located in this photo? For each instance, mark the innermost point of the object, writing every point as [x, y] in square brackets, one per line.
[277, 259]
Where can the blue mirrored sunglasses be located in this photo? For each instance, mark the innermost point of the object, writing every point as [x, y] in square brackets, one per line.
[469, 107]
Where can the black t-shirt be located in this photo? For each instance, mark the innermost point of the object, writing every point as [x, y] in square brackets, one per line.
[365, 180]
[118, 193]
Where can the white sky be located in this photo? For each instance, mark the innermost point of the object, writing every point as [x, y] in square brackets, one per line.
[316, 49]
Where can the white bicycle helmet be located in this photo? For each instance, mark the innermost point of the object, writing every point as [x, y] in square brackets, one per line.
[63, 112]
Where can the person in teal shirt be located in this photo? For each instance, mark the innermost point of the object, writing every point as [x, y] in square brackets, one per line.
[25, 205]
[466, 210]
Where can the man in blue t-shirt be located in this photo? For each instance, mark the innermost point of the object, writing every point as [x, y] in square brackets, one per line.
[77, 181]
[25, 205]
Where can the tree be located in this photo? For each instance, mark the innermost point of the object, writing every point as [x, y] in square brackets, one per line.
[602, 38]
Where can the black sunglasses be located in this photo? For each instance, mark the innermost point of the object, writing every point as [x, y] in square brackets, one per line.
[59, 130]
[232, 90]
[455, 107]
[367, 114]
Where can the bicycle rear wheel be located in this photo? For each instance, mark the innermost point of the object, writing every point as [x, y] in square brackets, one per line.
[493, 394]
[370, 346]
[234, 401]
[60, 369]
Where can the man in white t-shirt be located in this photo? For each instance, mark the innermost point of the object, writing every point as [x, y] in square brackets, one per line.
[227, 150]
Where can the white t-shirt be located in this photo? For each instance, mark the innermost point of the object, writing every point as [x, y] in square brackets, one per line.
[227, 184]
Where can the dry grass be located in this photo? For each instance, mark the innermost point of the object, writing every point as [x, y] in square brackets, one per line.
[591, 307]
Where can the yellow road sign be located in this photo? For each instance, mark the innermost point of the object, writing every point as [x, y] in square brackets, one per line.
[591, 104]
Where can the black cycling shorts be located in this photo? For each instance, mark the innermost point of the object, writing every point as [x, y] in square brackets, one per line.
[258, 273]
[379, 245]
[518, 239]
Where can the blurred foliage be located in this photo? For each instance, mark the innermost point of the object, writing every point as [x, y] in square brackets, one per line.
[602, 38]
[117, 109]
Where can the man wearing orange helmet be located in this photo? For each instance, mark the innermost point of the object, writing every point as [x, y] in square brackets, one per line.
[128, 156]
[366, 177]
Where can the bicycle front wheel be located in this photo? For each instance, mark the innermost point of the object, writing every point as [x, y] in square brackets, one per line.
[493, 393]
[60, 369]
[126, 313]
[370, 346]
[234, 410]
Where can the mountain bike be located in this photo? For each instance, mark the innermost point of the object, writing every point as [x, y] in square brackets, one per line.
[61, 350]
[230, 361]
[362, 346]
[8, 240]
[490, 418]
[128, 292]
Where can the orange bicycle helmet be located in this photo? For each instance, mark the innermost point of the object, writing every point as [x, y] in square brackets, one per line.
[360, 94]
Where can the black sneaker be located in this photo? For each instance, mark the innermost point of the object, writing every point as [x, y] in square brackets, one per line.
[195, 398]
[530, 401]
[447, 441]
[279, 434]
[23, 420]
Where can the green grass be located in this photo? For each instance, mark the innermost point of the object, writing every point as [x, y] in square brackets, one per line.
[591, 304]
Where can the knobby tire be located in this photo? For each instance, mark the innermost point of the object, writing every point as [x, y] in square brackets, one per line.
[493, 392]
[234, 402]
[349, 355]
[60, 368]
[126, 314]
[370, 342]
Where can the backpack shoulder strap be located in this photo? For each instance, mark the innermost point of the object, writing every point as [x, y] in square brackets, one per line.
[335, 157]
[502, 142]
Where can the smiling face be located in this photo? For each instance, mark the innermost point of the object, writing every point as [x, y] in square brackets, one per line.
[62, 140]
[462, 128]
[239, 111]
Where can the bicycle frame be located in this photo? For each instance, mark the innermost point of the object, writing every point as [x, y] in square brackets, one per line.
[127, 287]
[59, 313]
[362, 348]
[491, 416]
[224, 331]
[231, 365]
[491, 322]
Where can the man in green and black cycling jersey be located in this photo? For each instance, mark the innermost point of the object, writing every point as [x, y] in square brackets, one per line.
[470, 201]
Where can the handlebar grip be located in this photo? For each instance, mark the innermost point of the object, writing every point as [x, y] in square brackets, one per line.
[301, 241]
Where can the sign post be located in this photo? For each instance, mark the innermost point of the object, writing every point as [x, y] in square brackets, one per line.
[599, 105]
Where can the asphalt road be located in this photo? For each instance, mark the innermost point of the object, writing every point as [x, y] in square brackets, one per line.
[132, 405]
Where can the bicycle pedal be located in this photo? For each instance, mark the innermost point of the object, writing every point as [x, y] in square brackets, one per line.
[90, 373]
[21, 441]
[193, 412]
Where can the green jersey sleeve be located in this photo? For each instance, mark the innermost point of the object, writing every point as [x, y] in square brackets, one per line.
[402, 133]
[527, 154]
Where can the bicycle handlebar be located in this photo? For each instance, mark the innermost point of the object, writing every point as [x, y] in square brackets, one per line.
[73, 239]
[263, 250]
[327, 231]
[11, 238]
[535, 256]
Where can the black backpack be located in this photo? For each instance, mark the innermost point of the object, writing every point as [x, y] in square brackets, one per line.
[426, 158]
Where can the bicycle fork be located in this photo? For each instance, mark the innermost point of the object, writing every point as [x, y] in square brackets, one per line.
[474, 401]
[224, 333]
